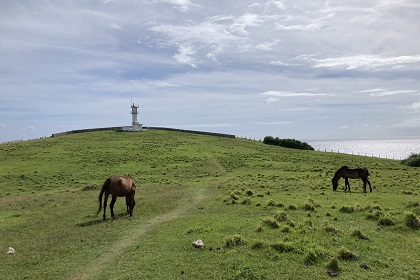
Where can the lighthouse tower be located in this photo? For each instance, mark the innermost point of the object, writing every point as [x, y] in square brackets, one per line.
[135, 125]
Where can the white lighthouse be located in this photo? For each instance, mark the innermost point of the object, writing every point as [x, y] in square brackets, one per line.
[135, 125]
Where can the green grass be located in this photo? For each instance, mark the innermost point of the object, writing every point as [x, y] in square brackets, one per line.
[263, 212]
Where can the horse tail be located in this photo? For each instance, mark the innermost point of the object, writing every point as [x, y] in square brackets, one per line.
[104, 188]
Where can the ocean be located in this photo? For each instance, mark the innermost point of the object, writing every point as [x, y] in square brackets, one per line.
[390, 148]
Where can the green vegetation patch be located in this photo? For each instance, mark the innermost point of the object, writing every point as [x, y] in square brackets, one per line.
[262, 211]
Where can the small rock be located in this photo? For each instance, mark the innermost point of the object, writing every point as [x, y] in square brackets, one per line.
[11, 251]
[198, 243]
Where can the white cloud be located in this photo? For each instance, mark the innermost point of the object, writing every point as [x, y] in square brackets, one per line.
[292, 94]
[273, 123]
[185, 55]
[394, 92]
[181, 5]
[415, 106]
[409, 123]
[267, 46]
[365, 62]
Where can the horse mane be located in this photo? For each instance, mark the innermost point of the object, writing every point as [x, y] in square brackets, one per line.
[338, 172]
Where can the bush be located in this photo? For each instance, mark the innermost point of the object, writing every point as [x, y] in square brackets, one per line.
[283, 247]
[271, 223]
[332, 266]
[287, 143]
[346, 255]
[357, 233]
[314, 255]
[386, 221]
[412, 221]
[309, 207]
[234, 241]
[347, 209]
[281, 217]
[413, 160]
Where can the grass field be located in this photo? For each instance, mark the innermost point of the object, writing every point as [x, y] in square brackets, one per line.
[263, 212]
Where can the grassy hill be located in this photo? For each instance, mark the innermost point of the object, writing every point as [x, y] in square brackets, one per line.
[263, 212]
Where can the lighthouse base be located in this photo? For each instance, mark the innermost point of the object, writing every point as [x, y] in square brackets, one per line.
[136, 126]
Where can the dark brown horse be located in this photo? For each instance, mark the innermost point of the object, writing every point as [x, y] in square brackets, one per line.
[352, 173]
[118, 186]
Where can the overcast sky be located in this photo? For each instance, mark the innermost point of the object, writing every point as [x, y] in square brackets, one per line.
[304, 69]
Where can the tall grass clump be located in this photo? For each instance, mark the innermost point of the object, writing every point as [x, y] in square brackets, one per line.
[412, 221]
[234, 241]
[386, 221]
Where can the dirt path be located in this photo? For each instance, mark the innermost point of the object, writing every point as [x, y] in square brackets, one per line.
[95, 266]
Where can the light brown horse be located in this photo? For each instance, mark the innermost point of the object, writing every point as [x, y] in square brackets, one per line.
[118, 186]
[352, 173]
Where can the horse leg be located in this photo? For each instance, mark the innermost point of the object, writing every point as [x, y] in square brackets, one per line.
[364, 185]
[347, 184]
[105, 202]
[127, 203]
[132, 203]
[370, 187]
[114, 198]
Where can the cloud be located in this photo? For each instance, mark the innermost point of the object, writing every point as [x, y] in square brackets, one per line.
[409, 123]
[364, 62]
[267, 46]
[273, 123]
[185, 56]
[181, 5]
[380, 93]
[415, 106]
[292, 94]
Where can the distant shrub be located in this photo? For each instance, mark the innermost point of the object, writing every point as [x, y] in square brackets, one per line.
[346, 255]
[283, 247]
[246, 201]
[347, 209]
[358, 234]
[281, 217]
[386, 221]
[332, 266]
[292, 207]
[309, 207]
[287, 143]
[332, 229]
[412, 221]
[374, 215]
[413, 160]
[271, 223]
[313, 256]
[249, 193]
[234, 241]
[258, 245]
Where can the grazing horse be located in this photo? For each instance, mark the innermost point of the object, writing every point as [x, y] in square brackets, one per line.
[352, 173]
[118, 186]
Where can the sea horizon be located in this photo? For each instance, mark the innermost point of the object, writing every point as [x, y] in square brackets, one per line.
[390, 147]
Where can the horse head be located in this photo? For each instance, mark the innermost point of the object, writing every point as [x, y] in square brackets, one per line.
[335, 185]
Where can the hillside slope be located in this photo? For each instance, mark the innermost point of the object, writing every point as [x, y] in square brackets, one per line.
[264, 212]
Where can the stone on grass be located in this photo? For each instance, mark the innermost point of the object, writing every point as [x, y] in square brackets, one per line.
[198, 243]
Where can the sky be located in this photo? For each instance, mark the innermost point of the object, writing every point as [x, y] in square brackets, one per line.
[307, 70]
